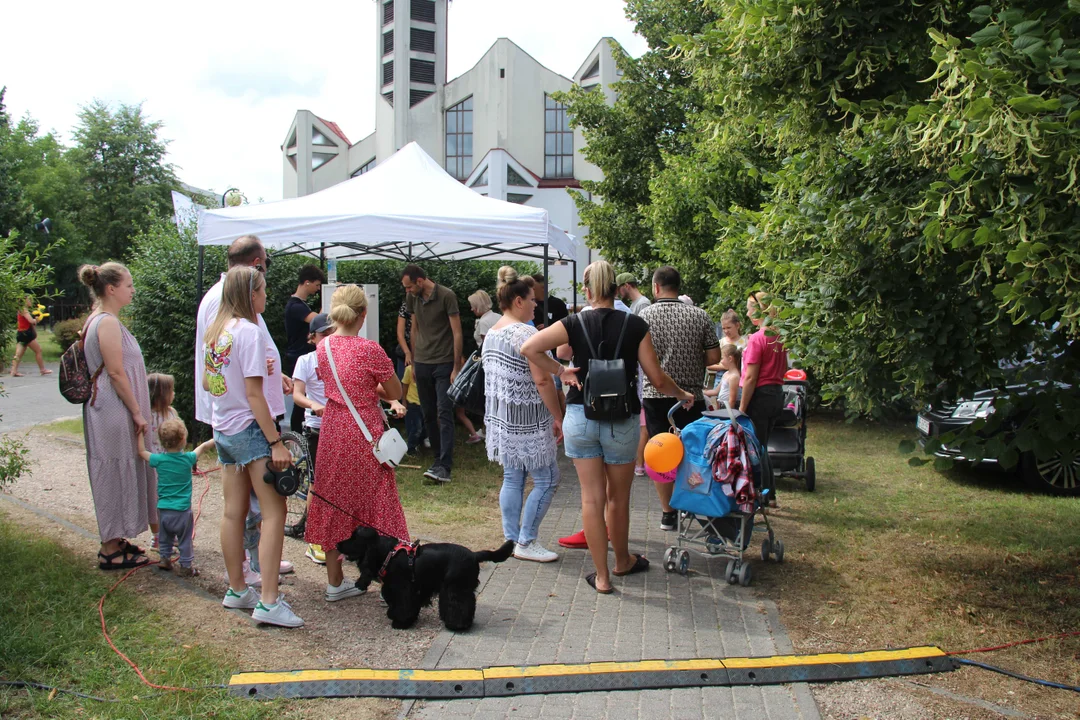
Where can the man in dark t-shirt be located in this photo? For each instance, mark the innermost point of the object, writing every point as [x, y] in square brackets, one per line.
[556, 308]
[298, 315]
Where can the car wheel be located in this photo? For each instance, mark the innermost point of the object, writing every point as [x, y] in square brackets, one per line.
[1057, 475]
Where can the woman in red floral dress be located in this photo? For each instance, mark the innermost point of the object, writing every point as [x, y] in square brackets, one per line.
[346, 471]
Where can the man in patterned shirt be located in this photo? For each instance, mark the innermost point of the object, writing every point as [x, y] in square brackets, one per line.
[685, 342]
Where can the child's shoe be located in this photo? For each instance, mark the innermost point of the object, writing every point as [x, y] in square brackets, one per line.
[186, 572]
[165, 564]
[315, 554]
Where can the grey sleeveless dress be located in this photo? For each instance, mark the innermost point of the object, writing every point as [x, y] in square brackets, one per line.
[123, 485]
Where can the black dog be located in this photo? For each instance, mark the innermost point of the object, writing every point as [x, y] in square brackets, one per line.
[410, 580]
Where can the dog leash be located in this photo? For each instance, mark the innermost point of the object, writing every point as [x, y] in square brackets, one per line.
[341, 510]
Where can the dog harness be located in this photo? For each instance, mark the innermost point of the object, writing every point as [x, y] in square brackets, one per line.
[409, 549]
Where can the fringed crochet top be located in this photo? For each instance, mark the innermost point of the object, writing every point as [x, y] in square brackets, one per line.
[518, 424]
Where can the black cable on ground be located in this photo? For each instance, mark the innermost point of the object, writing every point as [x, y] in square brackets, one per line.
[39, 686]
[1018, 676]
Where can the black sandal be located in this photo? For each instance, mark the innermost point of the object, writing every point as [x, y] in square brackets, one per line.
[641, 564]
[131, 547]
[591, 579]
[130, 560]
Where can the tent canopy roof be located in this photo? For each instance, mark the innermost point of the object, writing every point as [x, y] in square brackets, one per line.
[407, 208]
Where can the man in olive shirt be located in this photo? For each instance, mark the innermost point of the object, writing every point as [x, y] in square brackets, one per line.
[436, 360]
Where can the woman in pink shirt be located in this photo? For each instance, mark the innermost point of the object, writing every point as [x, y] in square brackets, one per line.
[764, 364]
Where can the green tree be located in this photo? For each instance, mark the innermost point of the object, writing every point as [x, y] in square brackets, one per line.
[16, 212]
[903, 177]
[126, 181]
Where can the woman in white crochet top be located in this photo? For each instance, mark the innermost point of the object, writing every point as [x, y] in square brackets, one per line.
[524, 423]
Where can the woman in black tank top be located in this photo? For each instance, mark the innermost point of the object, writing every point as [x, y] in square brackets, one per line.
[603, 451]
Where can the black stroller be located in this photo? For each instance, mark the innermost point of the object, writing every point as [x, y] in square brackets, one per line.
[787, 442]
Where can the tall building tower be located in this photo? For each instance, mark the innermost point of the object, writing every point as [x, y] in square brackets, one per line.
[412, 65]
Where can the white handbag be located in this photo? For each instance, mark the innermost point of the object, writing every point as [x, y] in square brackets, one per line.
[390, 448]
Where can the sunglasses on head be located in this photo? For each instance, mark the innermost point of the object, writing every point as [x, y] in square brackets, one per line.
[264, 266]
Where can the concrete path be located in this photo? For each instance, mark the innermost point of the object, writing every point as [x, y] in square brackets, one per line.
[530, 613]
[32, 399]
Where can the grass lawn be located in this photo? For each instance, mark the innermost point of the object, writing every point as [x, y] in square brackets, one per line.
[50, 634]
[50, 350]
[884, 554]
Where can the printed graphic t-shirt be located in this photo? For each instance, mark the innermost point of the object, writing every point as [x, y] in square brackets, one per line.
[238, 353]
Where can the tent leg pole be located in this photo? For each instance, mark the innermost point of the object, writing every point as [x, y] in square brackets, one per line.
[573, 281]
[322, 257]
[199, 284]
[547, 287]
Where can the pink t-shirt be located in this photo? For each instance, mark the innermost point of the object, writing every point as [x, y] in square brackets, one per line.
[240, 352]
[769, 353]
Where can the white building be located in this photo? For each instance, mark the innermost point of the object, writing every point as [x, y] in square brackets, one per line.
[495, 127]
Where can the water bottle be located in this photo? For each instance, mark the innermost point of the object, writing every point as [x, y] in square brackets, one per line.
[331, 271]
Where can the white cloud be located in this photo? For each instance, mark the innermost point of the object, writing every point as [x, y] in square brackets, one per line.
[226, 78]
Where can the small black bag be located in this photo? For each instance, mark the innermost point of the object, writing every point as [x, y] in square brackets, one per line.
[605, 393]
[467, 390]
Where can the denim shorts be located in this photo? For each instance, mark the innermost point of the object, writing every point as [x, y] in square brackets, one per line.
[616, 442]
[244, 447]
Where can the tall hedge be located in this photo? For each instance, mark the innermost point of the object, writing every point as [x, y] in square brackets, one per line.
[164, 266]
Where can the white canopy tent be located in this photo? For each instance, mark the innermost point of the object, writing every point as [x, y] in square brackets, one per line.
[408, 208]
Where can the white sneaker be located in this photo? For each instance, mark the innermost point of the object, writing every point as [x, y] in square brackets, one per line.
[280, 613]
[286, 567]
[251, 578]
[534, 551]
[246, 600]
[346, 589]
[427, 443]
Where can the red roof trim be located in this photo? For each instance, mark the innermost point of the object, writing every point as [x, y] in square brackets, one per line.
[559, 183]
[335, 128]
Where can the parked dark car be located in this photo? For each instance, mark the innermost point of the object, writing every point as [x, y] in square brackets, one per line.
[1058, 475]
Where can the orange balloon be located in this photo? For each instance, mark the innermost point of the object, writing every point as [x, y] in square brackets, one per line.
[664, 452]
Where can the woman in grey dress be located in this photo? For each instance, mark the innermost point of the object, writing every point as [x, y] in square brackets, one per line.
[123, 486]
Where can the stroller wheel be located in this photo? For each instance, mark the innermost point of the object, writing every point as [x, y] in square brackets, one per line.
[684, 561]
[811, 476]
[746, 574]
[766, 549]
[778, 550]
[669, 559]
[729, 572]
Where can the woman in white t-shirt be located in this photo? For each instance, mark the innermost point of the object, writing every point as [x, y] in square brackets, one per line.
[234, 371]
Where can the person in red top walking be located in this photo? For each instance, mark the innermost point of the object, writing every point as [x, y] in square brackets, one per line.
[26, 337]
[764, 364]
[352, 488]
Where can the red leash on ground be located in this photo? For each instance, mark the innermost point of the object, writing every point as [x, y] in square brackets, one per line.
[101, 602]
[994, 648]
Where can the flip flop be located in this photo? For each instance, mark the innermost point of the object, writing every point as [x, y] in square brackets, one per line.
[591, 579]
[46, 372]
[641, 564]
[18, 374]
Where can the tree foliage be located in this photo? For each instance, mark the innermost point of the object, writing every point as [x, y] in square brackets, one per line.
[901, 175]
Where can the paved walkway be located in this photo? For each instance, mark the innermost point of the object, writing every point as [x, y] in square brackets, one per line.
[32, 399]
[529, 613]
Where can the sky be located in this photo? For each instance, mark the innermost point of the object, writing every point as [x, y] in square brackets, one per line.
[226, 78]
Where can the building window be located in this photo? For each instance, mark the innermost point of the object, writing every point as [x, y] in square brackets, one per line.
[365, 167]
[513, 177]
[421, 40]
[388, 12]
[388, 72]
[422, 71]
[593, 71]
[423, 10]
[419, 96]
[558, 141]
[389, 97]
[319, 159]
[517, 198]
[459, 139]
[388, 42]
[482, 180]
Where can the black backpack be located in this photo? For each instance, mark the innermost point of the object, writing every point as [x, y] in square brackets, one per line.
[605, 392]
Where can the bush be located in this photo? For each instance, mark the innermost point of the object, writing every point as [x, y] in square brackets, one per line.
[67, 332]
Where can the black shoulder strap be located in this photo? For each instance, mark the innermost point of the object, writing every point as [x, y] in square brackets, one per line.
[585, 332]
[622, 331]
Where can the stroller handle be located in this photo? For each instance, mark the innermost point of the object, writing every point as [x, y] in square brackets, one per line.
[671, 417]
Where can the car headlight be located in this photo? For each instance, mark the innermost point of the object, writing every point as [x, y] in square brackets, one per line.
[974, 409]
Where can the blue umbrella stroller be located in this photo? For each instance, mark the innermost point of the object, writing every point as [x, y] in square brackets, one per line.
[714, 519]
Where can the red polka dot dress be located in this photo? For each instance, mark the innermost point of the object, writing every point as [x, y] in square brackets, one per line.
[346, 471]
